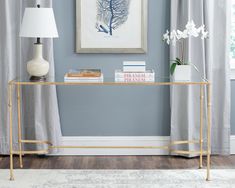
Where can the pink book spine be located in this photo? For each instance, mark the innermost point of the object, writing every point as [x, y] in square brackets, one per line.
[133, 79]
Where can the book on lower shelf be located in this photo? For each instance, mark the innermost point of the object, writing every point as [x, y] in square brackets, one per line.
[147, 76]
[84, 76]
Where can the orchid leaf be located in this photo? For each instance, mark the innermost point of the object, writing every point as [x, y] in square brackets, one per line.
[172, 69]
[177, 62]
[178, 59]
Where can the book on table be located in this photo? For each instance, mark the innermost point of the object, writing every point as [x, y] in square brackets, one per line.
[84, 75]
[134, 66]
[147, 76]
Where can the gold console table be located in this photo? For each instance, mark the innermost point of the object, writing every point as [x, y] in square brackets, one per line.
[205, 86]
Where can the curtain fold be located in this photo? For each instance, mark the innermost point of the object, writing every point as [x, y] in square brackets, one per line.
[40, 115]
[212, 59]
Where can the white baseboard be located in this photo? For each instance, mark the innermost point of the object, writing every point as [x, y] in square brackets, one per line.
[119, 141]
[232, 145]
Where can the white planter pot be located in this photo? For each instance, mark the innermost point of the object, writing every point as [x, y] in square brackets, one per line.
[182, 73]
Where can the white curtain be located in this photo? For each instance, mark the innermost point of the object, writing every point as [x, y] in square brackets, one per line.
[40, 108]
[212, 59]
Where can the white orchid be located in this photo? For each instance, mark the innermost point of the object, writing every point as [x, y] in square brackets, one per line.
[174, 37]
[190, 25]
[190, 31]
[201, 28]
[166, 37]
[204, 33]
[182, 34]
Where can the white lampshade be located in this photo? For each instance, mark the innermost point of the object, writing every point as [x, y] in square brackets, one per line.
[39, 23]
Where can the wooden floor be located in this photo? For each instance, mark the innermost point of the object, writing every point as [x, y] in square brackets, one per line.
[116, 162]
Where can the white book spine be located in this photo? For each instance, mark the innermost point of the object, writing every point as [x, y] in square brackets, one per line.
[134, 80]
[134, 66]
[84, 81]
[134, 69]
[84, 78]
[134, 63]
[74, 78]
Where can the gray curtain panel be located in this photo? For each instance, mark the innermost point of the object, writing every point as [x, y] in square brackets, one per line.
[40, 116]
[212, 59]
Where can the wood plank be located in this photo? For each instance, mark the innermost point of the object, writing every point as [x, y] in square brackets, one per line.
[116, 162]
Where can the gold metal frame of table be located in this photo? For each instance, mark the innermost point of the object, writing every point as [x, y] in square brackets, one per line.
[21, 141]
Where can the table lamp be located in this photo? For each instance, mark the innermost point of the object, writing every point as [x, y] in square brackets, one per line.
[38, 23]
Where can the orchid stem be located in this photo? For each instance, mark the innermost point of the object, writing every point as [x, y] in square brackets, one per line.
[183, 49]
[182, 45]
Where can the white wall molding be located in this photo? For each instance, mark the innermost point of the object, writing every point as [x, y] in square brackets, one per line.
[232, 74]
[232, 69]
[119, 141]
[232, 145]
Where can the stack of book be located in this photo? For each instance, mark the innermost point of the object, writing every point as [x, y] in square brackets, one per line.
[134, 72]
[84, 76]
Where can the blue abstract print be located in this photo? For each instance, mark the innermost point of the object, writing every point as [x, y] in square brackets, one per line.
[111, 14]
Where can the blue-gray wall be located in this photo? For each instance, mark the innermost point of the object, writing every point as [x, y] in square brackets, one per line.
[114, 111]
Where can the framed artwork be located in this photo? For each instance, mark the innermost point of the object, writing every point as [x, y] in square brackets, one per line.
[111, 26]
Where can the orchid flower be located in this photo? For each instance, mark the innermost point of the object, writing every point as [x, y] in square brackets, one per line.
[174, 37]
[166, 37]
[205, 35]
[191, 28]
[182, 34]
[201, 28]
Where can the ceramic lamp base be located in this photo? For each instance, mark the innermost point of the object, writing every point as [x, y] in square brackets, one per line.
[38, 67]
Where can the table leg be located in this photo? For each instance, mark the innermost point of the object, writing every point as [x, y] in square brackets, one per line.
[11, 135]
[19, 125]
[209, 133]
[201, 124]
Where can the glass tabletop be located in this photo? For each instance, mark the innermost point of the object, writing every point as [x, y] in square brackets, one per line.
[59, 80]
